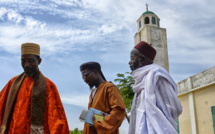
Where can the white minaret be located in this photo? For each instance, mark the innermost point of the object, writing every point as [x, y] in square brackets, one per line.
[149, 30]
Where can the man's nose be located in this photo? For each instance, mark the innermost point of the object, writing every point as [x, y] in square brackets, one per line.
[129, 62]
[26, 64]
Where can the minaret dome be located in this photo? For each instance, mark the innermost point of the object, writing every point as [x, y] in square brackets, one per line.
[148, 18]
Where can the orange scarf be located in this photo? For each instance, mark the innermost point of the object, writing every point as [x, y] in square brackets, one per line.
[38, 101]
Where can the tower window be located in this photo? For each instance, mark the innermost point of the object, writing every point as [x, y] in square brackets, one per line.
[139, 23]
[153, 20]
[158, 22]
[147, 20]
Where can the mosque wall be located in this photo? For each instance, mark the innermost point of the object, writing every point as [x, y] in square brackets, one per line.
[159, 42]
[186, 125]
[197, 96]
[142, 35]
[204, 100]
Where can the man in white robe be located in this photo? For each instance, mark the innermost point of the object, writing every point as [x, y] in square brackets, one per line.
[155, 107]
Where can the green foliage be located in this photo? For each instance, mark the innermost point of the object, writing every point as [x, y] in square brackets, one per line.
[125, 87]
[76, 131]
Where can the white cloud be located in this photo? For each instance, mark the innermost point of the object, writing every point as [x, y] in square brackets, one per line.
[3, 11]
[17, 18]
[120, 11]
[106, 29]
[52, 39]
[14, 16]
[78, 100]
[185, 2]
[100, 5]
[32, 23]
[67, 2]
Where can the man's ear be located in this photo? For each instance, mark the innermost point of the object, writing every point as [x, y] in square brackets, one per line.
[141, 59]
[39, 61]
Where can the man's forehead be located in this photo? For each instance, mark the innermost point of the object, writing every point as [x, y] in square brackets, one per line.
[28, 56]
[85, 70]
[135, 52]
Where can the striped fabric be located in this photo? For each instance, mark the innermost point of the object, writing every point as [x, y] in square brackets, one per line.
[30, 48]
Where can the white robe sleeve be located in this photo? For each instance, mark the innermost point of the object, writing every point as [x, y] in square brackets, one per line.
[162, 107]
[167, 101]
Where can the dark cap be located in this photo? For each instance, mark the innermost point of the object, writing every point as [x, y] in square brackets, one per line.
[92, 66]
[146, 49]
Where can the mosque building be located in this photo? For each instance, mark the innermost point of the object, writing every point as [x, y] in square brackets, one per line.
[196, 93]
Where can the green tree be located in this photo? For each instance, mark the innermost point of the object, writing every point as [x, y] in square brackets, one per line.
[76, 131]
[125, 83]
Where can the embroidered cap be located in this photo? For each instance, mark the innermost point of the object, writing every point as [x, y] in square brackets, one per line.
[30, 48]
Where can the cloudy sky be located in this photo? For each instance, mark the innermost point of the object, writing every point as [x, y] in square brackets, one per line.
[71, 32]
